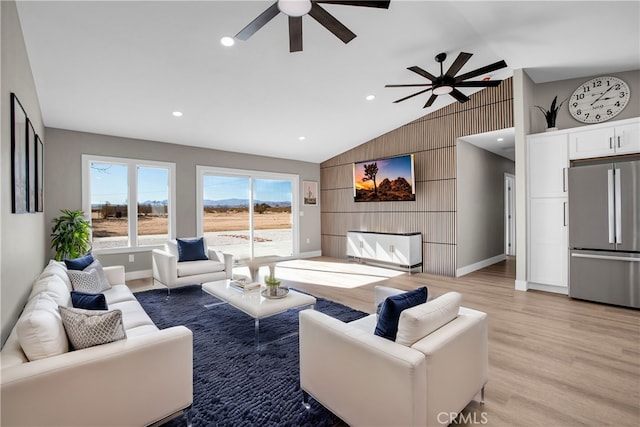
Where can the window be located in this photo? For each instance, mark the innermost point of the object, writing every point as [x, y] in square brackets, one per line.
[248, 213]
[131, 202]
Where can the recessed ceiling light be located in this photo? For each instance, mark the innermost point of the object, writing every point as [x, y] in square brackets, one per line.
[500, 139]
[301, 138]
[227, 41]
[177, 114]
[370, 97]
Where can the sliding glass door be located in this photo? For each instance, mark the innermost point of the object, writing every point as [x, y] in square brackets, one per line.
[247, 213]
[225, 213]
[272, 222]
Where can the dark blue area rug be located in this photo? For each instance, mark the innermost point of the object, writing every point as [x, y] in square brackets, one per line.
[233, 383]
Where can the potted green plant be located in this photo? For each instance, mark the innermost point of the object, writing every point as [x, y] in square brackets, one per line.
[272, 285]
[551, 114]
[70, 236]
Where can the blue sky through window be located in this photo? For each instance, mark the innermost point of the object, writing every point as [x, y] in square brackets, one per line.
[109, 184]
[218, 187]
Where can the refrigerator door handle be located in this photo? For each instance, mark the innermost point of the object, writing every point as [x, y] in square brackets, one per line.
[612, 258]
[610, 206]
[618, 201]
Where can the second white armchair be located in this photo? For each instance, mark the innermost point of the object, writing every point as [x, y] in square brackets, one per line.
[169, 271]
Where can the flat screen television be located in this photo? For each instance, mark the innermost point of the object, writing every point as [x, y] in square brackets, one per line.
[390, 179]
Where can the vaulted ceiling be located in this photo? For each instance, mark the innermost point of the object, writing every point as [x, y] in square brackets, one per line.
[122, 67]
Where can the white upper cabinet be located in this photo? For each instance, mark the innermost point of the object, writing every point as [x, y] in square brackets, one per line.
[548, 160]
[607, 139]
[628, 138]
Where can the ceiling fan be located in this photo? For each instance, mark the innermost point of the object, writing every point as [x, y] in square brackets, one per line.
[447, 83]
[296, 9]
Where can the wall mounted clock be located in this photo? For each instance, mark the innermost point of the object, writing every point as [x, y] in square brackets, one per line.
[599, 99]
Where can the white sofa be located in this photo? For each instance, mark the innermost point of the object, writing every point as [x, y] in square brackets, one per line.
[367, 380]
[137, 381]
[171, 273]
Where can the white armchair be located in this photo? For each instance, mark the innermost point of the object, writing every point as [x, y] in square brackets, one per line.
[171, 273]
[367, 380]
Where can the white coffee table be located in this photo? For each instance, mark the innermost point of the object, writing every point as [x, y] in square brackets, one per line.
[254, 304]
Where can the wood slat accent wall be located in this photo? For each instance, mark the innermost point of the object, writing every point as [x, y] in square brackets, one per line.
[432, 138]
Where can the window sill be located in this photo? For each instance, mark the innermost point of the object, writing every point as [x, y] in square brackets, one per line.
[126, 250]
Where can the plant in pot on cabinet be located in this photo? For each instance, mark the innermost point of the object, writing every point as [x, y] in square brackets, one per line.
[551, 114]
[70, 235]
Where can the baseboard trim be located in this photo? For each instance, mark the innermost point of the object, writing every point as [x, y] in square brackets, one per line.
[564, 290]
[311, 254]
[479, 265]
[521, 285]
[139, 274]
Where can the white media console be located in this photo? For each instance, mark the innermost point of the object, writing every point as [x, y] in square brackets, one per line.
[403, 249]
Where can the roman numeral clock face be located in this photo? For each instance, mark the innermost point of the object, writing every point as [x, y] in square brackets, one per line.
[599, 99]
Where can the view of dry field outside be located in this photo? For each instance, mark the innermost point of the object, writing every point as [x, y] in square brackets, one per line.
[238, 219]
[228, 230]
[224, 228]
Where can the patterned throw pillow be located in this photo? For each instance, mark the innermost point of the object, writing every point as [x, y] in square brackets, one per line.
[91, 280]
[95, 265]
[85, 281]
[88, 328]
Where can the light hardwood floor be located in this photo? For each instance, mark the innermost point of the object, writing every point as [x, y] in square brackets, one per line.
[553, 361]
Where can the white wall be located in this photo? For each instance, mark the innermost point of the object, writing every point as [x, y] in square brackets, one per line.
[24, 248]
[64, 187]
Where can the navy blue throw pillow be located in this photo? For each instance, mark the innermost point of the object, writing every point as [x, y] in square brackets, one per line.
[191, 250]
[79, 263]
[88, 301]
[387, 326]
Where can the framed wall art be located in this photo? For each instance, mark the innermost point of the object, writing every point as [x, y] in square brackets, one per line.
[31, 167]
[310, 192]
[19, 160]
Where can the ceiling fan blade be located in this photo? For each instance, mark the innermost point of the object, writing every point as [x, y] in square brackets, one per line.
[370, 3]
[330, 23]
[411, 96]
[430, 101]
[258, 23]
[461, 97]
[462, 59]
[422, 72]
[295, 34]
[483, 70]
[409, 85]
[484, 83]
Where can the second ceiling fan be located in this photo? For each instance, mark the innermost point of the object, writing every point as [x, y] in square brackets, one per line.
[447, 83]
[296, 9]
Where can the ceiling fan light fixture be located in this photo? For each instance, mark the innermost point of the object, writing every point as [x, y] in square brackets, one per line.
[442, 90]
[227, 41]
[294, 8]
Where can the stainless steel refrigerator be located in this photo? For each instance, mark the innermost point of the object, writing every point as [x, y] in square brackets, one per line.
[604, 232]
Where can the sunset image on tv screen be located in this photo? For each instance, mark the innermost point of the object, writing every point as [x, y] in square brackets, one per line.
[384, 180]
